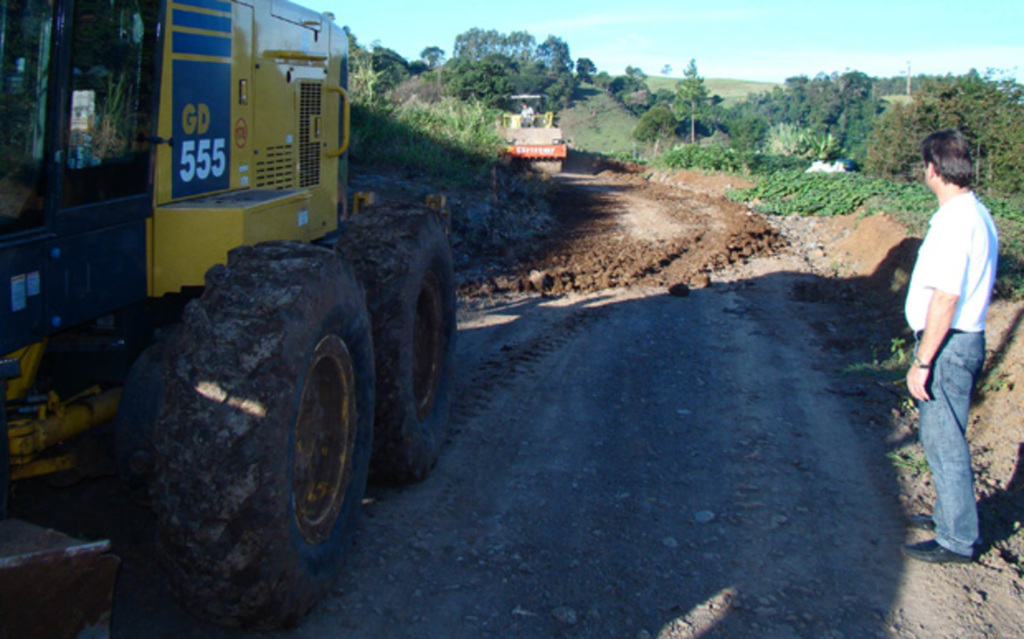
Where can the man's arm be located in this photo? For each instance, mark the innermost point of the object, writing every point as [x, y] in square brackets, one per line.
[941, 310]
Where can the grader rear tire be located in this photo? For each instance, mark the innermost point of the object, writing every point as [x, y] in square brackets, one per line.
[404, 259]
[5, 467]
[137, 413]
[264, 435]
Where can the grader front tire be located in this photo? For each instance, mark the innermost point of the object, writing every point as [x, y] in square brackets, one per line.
[264, 435]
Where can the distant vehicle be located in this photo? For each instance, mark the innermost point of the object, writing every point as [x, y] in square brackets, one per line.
[533, 138]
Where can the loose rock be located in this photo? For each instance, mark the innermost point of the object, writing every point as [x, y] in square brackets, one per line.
[565, 615]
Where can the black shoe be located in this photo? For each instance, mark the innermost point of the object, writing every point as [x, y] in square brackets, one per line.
[921, 522]
[933, 553]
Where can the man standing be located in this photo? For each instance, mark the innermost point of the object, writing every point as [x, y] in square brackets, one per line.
[526, 115]
[946, 304]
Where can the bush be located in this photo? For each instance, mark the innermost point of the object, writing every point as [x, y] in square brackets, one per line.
[989, 112]
[705, 158]
[792, 192]
[825, 194]
[728, 160]
[656, 124]
[766, 164]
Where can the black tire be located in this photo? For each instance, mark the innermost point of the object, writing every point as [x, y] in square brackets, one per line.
[5, 465]
[137, 413]
[404, 259]
[264, 435]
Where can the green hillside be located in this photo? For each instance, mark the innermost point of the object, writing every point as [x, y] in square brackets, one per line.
[596, 123]
[730, 90]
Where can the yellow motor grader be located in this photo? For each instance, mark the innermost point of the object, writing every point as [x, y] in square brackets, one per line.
[180, 268]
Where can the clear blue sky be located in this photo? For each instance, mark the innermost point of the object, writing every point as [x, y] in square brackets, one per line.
[766, 40]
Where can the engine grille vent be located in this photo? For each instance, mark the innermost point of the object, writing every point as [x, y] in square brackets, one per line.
[276, 168]
[310, 94]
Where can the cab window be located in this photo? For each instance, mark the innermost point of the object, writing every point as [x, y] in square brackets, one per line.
[108, 124]
[24, 73]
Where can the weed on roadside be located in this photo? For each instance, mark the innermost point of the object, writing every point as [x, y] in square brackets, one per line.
[996, 382]
[916, 464]
[896, 361]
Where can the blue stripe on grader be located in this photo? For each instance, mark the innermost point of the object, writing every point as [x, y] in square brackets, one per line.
[212, 5]
[195, 44]
[204, 21]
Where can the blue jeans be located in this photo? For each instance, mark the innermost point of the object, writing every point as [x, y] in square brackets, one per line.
[943, 431]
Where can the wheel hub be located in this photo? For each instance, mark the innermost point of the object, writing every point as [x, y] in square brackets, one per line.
[428, 345]
[325, 435]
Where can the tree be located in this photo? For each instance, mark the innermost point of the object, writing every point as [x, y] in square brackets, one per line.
[433, 57]
[747, 132]
[844, 106]
[691, 92]
[485, 80]
[559, 91]
[364, 84]
[390, 66]
[476, 44]
[630, 91]
[666, 70]
[521, 47]
[526, 67]
[585, 69]
[603, 80]
[663, 97]
[554, 53]
[636, 73]
[989, 112]
[656, 125]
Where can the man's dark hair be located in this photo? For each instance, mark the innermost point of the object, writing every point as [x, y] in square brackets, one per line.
[951, 154]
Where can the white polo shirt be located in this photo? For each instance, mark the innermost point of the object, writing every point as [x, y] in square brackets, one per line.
[958, 256]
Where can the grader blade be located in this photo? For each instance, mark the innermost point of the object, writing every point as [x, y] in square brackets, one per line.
[52, 585]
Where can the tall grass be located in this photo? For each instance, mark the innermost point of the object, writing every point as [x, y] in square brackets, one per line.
[450, 141]
[454, 145]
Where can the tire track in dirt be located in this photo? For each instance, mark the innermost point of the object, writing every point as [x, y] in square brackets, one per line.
[517, 355]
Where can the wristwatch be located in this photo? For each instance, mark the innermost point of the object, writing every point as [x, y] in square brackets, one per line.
[920, 364]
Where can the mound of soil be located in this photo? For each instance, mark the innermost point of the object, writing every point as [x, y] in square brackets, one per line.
[711, 184]
[619, 229]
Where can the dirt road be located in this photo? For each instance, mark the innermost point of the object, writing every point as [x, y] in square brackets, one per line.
[641, 463]
[628, 463]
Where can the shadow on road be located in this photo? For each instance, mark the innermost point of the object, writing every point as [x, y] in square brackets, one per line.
[620, 463]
